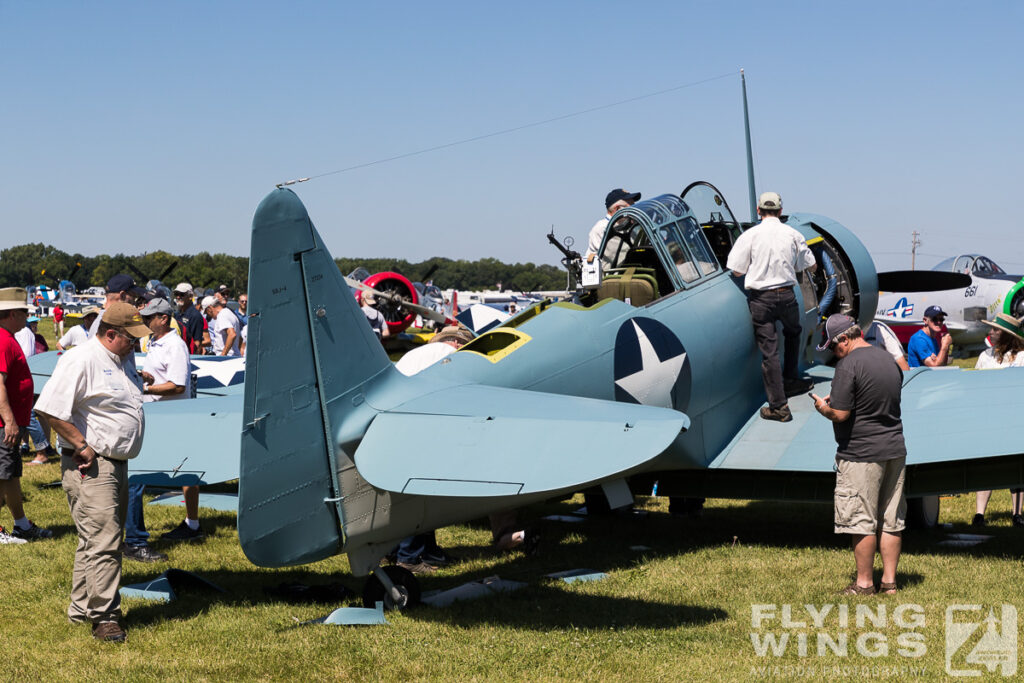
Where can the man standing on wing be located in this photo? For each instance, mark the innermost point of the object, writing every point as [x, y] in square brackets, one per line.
[768, 256]
[871, 455]
[94, 402]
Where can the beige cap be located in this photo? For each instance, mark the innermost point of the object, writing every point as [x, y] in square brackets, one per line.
[453, 333]
[13, 298]
[127, 317]
[91, 310]
[770, 201]
[209, 301]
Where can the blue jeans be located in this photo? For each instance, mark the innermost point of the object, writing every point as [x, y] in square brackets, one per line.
[135, 533]
[35, 430]
[411, 549]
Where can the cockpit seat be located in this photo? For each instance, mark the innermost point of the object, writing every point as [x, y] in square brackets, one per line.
[635, 286]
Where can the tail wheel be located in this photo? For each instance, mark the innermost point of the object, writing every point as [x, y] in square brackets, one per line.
[398, 318]
[405, 581]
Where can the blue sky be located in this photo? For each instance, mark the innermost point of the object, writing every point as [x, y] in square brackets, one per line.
[130, 127]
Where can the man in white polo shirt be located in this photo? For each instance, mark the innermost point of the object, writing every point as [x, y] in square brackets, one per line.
[94, 402]
[768, 256]
[225, 328]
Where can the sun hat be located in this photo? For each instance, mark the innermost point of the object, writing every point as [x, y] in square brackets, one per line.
[1007, 323]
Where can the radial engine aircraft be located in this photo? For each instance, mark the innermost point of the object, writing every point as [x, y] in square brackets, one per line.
[655, 375]
[970, 288]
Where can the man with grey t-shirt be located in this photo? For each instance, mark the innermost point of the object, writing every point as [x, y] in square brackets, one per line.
[864, 406]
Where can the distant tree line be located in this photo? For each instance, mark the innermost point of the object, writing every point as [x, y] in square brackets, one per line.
[42, 264]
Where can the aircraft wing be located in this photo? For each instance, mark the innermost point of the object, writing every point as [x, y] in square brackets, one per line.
[484, 441]
[190, 442]
[950, 416]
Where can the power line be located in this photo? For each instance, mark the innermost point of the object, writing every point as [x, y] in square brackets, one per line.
[506, 131]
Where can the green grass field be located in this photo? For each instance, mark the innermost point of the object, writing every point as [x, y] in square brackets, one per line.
[681, 609]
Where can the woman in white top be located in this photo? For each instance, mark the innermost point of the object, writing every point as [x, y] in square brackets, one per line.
[1007, 352]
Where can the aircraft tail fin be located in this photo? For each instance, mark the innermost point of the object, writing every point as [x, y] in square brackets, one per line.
[302, 313]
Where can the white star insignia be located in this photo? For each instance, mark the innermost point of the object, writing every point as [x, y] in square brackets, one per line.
[221, 370]
[652, 384]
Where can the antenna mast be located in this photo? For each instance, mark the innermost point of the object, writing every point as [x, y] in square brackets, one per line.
[750, 155]
[914, 244]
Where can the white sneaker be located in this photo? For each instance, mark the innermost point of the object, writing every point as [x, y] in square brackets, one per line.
[7, 539]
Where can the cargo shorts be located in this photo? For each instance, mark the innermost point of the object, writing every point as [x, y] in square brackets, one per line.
[10, 458]
[869, 496]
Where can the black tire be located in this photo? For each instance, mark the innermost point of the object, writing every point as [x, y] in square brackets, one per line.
[405, 582]
[923, 513]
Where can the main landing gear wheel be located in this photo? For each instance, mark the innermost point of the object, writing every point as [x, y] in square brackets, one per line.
[405, 584]
[923, 513]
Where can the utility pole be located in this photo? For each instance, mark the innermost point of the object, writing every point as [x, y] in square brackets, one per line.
[914, 244]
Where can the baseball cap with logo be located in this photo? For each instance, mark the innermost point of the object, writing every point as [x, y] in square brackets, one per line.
[124, 283]
[157, 306]
[769, 201]
[126, 316]
[836, 324]
[934, 312]
[618, 194]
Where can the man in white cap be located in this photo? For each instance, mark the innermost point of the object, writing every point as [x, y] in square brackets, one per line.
[871, 455]
[225, 327]
[189, 319]
[768, 256]
[16, 393]
[94, 402]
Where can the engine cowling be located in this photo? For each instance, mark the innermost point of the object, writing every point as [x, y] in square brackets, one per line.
[390, 282]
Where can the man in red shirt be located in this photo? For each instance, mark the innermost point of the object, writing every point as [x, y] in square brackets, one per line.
[15, 413]
[58, 319]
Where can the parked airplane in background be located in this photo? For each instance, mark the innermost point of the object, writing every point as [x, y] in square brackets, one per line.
[971, 288]
[665, 385]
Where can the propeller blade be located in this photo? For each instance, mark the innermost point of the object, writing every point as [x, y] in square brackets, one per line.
[139, 273]
[167, 271]
[74, 270]
[430, 271]
[427, 313]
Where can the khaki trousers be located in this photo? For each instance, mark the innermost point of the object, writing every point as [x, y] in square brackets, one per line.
[97, 502]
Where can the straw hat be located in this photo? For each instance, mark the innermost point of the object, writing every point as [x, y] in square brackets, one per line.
[13, 298]
[1007, 323]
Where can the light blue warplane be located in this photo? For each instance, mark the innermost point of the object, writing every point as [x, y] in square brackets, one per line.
[654, 376]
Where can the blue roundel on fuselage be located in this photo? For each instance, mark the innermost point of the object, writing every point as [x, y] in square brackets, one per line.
[651, 365]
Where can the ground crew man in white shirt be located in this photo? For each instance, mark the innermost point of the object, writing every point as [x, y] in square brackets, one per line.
[770, 255]
[94, 402]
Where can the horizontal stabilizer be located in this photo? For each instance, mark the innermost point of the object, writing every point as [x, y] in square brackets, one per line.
[189, 442]
[482, 441]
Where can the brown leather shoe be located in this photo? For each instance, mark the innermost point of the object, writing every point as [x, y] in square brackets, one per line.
[779, 414]
[420, 567]
[109, 631]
